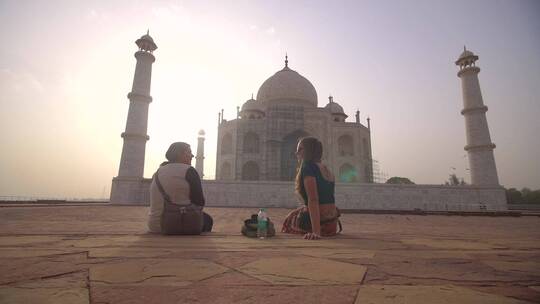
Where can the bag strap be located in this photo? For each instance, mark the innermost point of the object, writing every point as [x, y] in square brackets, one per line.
[166, 197]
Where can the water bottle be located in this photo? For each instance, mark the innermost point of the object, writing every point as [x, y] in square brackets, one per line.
[262, 224]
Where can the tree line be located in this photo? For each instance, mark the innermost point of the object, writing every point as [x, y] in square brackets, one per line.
[525, 196]
[513, 196]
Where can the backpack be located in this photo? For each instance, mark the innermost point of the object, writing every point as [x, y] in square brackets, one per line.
[249, 228]
[186, 219]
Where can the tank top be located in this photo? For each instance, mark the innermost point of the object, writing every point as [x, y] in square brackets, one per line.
[325, 188]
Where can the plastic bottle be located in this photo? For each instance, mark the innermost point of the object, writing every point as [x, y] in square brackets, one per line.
[262, 224]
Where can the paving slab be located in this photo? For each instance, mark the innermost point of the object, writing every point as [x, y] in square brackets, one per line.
[304, 271]
[67, 289]
[537, 288]
[269, 294]
[442, 294]
[451, 244]
[23, 269]
[528, 267]
[168, 272]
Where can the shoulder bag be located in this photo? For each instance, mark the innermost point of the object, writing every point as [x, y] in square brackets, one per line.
[186, 219]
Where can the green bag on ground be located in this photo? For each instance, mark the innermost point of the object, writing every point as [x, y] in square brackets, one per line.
[249, 228]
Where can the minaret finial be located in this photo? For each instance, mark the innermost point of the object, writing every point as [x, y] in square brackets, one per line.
[251, 95]
[464, 48]
[286, 60]
[148, 32]
[330, 98]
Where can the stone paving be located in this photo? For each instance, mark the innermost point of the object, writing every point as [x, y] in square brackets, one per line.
[102, 254]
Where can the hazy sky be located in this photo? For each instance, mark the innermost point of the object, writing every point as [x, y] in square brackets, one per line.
[66, 67]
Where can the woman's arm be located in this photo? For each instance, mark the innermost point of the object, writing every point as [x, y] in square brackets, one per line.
[310, 184]
[195, 188]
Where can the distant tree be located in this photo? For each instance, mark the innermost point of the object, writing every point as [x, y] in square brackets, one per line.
[513, 196]
[453, 180]
[526, 196]
[525, 191]
[530, 197]
[399, 180]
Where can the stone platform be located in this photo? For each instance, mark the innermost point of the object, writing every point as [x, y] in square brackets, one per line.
[102, 254]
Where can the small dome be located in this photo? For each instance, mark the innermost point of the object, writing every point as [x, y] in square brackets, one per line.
[146, 43]
[147, 37]
[287, 85]
[202, 133]
[334, 108]
[466, 53]
[466, 57]
[252, 105]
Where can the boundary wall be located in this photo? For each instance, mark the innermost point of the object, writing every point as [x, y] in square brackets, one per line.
[349, 196]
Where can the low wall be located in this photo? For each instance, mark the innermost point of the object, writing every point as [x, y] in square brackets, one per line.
[352, 196]
[524, 207]
[130, 191]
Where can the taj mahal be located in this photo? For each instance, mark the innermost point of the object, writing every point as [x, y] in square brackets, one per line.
[260, 143]
[255, 161]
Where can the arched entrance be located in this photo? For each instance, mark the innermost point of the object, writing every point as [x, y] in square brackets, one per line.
[345, 146]
[288, 155]
[226, 144]
[251, 143]
[250, 171]
[225, 172]
[348, 174]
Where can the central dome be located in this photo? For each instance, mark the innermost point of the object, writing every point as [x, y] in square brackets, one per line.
[287, 86]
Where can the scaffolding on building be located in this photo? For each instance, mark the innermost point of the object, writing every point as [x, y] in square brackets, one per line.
[379, 176]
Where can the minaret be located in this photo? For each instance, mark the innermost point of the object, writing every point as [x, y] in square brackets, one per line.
[479, 146]
[199, 159]
[131, 168]
[135, 137]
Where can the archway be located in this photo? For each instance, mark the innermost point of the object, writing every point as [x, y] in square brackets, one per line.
[345, 146]
[250, 171]
[348, 174]
[226, 144]
[251, 143]
[289, 162]
[225, 172]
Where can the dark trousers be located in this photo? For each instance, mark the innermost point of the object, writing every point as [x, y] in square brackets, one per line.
[208, 222]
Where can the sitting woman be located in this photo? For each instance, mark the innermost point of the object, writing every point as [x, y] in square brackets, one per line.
[175, 185]
[315, 184]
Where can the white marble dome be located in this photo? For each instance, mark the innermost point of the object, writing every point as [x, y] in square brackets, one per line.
[465, 54]
[252, 105]
[335, 108]
[146, 43]
[147, 37]
[287, 85]
[466, 58]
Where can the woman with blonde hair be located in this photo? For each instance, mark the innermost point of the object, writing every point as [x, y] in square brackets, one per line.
[315, 183]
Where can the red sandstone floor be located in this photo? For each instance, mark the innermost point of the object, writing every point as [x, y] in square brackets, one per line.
[102, 254]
